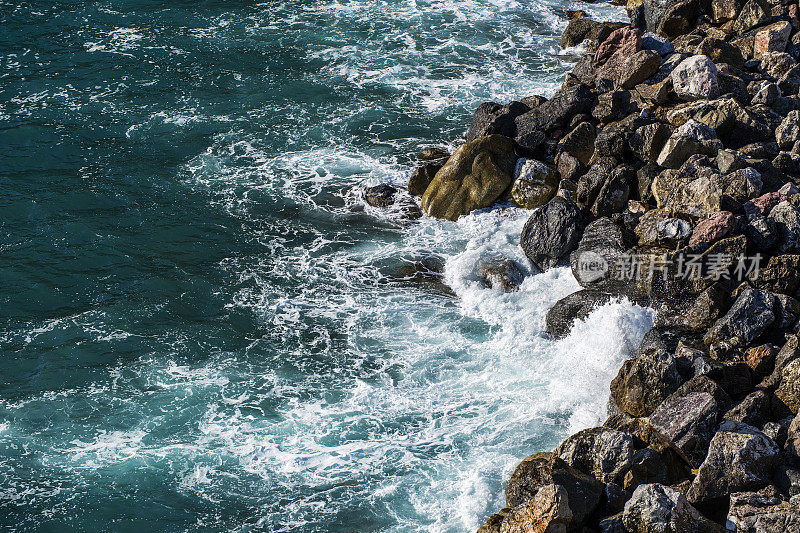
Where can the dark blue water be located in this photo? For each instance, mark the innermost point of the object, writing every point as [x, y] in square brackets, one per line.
[202, 327]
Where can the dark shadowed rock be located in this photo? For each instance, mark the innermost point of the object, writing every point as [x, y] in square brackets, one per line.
[422, 177]
[579, 142]
[501, 274]
[754, 410]
[491, 118]
[380, 195]
[551, 233]
[557, 111]
[592, 263]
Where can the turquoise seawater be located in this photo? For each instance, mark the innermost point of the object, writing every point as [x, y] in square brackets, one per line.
[203, 328]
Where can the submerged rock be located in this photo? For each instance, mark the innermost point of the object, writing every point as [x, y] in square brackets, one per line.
[576, 306]
[501, 274]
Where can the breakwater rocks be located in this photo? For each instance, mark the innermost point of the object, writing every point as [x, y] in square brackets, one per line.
[664, 170]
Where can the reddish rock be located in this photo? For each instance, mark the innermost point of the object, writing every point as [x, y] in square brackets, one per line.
[764, 203]
[773, 38]
[611, 56]
[761, 358]
[713, 228]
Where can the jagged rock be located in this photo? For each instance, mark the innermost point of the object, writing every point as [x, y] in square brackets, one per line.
[786, 218]
[781, 274]
[695, 78]
[576, 306]
[585, 29]
[689, 139]
[501, 274]
[433, 154]
[491, 118]
[688, 420]
[614, 193]
[788, 132]
[709, 305]
[759, 513]
[612, 106]
[656, 508]
[614, 52]
[773, 38]
[422, 177]
[743, 184]
[739, 458]
[647, 141]
[657, 43]
[591, 182]
[761, 233]
[551, 232]
[647, 466]
[592, 262]
[644, 382]
[547, 512]
[752, 14]
[787, 395]
[534, 183]
[542, 469]
[555, 112]
[579, 142]
[724, 10]
[749, 317]
[569, 167]
[712, 229]
[638, 68]
[754, 410]
[474, 177]
[612, 524]
[768, 93]
[492, 525]
[720, 51]
[602, 452]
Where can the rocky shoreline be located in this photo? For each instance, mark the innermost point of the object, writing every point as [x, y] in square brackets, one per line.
[663, 170]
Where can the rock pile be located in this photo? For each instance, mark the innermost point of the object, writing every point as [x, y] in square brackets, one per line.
[665, 170]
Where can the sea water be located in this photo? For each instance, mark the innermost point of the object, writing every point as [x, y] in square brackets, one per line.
[203, 327]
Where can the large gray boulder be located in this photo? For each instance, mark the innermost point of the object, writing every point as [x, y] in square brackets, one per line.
[740, 458]
[751, 314]
[695, 78]
[655, 508]
[551, 232]
[599, 248]
[602, 452]
[688, 421]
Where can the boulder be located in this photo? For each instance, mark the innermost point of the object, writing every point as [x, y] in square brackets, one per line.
[542, 469]
[501, 274]
[647, 141]
[743, 184]
[551, 232]
[786, 217]
[761, 359]
[781, 274]
[724, 10]
[547, 512]
[592, 263]
[739, 458]
[752, 14]
[788, 132]
[535, 183]
[689, 139]
[709, 305]
[644, 382]
[656, 508]
[434, 154]
[602, 452]
[773, 38]
[751, 511]
[556, 112]
[576, 306]
[579, 142]
[719, 51]
[473, 178]
[688, 421]
[719, 225]
[787, 395]
[614, 193]
[422, 177]
[767, 94]
[751, 314]
[637, 68]
[657, 43]
[614, 52]
[695, 78]
[491, 118]
[754, 410]
[585, 29]
[658, 227]
[761, 233]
